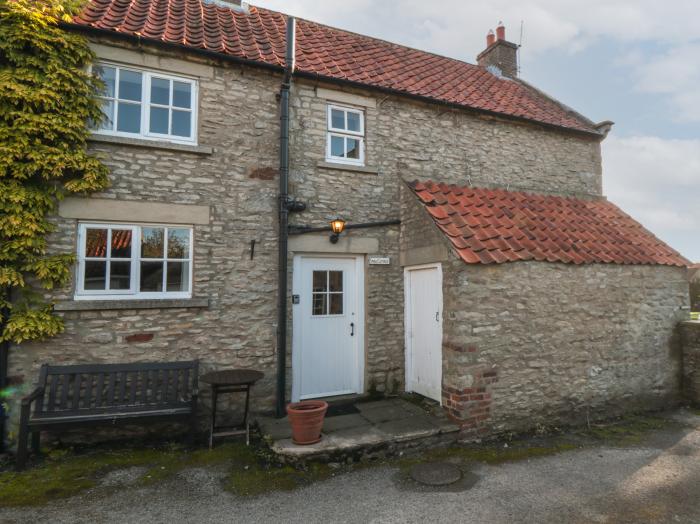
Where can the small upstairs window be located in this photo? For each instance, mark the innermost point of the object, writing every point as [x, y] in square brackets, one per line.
[145, 104]
[346, 135]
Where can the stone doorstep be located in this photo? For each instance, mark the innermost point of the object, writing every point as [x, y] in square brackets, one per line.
[378, 423]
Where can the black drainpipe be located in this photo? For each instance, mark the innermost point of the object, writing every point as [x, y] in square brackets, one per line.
[284, 221]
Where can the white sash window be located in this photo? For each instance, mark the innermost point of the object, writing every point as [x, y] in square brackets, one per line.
[129, 261]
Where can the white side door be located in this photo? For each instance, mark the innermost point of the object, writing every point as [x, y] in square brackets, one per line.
[423, 320]
[328, 327]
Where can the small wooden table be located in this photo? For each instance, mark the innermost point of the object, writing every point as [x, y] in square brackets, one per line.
[230, 381]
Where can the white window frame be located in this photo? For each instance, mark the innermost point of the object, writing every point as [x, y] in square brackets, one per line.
[345, 133]
[135, 278]
[144, 133]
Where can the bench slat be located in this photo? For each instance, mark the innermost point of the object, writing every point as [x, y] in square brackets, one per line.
[112, 390]
[65, 386]
[77, 383]
[100, 390]
[108, 368]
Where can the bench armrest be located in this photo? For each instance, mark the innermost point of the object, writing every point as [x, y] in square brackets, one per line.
[27, 400]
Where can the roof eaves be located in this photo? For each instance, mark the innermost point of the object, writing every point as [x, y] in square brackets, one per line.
[108, 33]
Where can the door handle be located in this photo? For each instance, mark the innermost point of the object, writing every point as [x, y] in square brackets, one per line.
[352, 329]
[437, 316]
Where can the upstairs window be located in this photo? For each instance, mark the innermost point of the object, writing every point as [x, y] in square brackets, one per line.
[346, 135]
[128, 261]
[149, 105]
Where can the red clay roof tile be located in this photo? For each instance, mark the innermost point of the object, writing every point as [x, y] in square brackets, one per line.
[540, 227]
[259, 35]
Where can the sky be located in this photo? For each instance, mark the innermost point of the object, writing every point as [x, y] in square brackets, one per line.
[635, 62]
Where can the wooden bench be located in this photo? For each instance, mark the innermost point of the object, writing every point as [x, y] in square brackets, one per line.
[108, 394]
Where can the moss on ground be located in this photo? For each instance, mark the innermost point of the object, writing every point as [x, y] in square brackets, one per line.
[63, 474]
[252, 472]
[627, 431]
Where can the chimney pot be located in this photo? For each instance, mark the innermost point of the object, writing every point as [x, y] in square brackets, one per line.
[490, 38]
[500, 55]
[501, 31]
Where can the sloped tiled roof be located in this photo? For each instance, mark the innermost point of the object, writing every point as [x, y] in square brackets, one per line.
[323, 51]
[491, 226]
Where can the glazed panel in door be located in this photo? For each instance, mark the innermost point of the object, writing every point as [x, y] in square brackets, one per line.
[424, 331]
[329, 328]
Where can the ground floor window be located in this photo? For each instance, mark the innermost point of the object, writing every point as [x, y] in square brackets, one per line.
[134, 261]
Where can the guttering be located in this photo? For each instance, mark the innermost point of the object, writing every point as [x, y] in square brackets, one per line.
[283, 207]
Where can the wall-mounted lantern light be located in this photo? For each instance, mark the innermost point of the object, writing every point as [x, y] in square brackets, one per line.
[337, 227]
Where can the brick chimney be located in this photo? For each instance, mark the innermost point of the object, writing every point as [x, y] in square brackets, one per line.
[499, 53]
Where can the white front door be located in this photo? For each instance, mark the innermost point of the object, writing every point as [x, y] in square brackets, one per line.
[328, 353]
[423, 290]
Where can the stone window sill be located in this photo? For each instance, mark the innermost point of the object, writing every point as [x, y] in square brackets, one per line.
[106, 305]
[349, 167]
[151, 144]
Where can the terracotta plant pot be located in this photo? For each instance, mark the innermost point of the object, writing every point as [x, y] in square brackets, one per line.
[306, 419]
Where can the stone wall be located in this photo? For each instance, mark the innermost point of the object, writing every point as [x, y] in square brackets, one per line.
[690, 337]
[238, 121]
[234, 172]
[410, 140]
[530, 343]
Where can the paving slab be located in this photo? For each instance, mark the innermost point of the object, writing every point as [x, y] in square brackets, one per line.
[367, 406]
[385, 413]
[409, 428]
[275, 428]
[354, 420]
[339, 441]
[379, 422]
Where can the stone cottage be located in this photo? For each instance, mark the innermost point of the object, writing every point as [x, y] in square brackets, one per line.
[480, 265]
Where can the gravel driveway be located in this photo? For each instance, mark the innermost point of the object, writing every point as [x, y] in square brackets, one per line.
[655, 481]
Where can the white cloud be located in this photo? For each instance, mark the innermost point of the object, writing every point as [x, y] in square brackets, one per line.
[657, 181]
[458, 28]
[676, 73]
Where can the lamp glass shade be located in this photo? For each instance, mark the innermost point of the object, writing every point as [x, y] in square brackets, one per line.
[337, 226]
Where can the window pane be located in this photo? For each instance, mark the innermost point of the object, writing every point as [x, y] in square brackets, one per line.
[121, 243]
[178, 243]
[159, 120]
[353, 146]
[95, 274]
[354, 122]
[119, 275]
[337, 146]
[160, 91]
[129, 85]
[182, 94]
[337, 119]
[108, 76]
[108, 112]
[152, 242]
[319, 304]
[151, 276]
[178, 276]
[129, 118]
[96, 243]
[336, 304]
[336, 280]
[181, 123]
[320, 281]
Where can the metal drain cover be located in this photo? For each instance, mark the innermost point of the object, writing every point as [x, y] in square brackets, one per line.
[436, 473]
